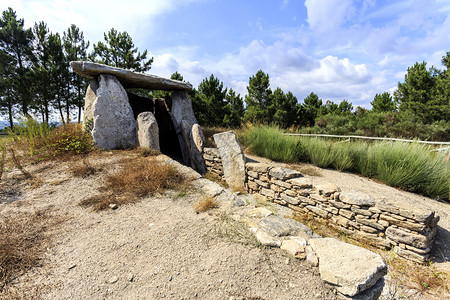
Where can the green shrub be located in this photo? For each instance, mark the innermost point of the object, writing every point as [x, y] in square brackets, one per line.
[318, 152]
[342, 156]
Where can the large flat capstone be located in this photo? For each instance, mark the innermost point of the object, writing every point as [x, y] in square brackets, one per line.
[350, 268]
[129, 79]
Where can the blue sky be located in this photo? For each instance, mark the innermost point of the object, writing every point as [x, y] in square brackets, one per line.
[339, 49]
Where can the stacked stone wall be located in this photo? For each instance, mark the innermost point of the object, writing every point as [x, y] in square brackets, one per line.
[213, 161]
[408, 230]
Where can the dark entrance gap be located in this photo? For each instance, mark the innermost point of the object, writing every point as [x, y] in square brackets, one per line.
[168, 139]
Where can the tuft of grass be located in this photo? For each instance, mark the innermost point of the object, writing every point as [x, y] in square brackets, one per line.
[83, 169]
[23, 240]
[137, 178]
[206, 204]
[271, 143]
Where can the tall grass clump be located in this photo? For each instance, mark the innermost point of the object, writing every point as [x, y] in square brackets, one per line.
[412, 167]
[271, 143]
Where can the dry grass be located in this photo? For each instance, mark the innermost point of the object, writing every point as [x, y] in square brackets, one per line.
[206, 204]
[208, 132]
[23, 239]
[425, 280]
[83, 168]
[137, 178]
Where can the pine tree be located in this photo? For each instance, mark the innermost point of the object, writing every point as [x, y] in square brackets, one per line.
[15, 45]
[75, 48]
[119, 51]
[258, 99]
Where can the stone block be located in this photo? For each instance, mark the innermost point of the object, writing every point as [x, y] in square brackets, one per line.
[252, 174]
[262, 183]
[283, 173]
[289, 199]
[346, 213]
[327, 189]
[301, 182]
[318, 211]
[339, 204]
[369, 222]
[267, 192]
[357, 198]
[416, 240]
[257, 167]
[283, 184]
[359, 211]
[351, 269]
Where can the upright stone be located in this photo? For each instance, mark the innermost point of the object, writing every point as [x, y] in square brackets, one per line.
[232, 159]
[113, 123]
[89, 99]
[148, 131]
[184, 121]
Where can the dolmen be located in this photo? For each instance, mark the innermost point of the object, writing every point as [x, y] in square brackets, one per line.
[117, 118]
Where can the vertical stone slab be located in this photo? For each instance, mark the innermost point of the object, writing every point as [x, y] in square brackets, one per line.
[114, 125]
[184, 121]
[148, 131]
[232, 159]
[91, 96]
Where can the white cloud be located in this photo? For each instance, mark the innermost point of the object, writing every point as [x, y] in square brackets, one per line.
[137, 17]
[284, 4]
[328, 15]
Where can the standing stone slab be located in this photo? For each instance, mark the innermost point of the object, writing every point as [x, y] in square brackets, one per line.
[351, 268]
[89, 99]
[188, 135]
[232, 159]
[148, 131]
[114, 125]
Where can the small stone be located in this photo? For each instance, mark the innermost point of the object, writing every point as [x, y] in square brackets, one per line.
[113, 206]
[130, 277]
[71, 267]
[113, 279]
[312, 259]
[170, 278]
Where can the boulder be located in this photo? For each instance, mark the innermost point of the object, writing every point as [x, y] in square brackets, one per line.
[147, 129]
[350, 268]
[113, 124]
[129, 79]
[233, 160]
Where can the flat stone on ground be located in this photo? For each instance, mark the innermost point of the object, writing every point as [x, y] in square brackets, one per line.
[279, 226]
[351, 268]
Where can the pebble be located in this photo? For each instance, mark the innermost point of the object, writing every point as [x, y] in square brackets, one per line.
[130, 277]
[71, 266]
[113, 279]
[170, 278]
[113, 206]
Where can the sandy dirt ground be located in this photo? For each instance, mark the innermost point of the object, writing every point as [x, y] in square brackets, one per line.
[156, 248]
[160, 248]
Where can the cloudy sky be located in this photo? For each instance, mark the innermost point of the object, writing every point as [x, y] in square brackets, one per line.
[339, 49]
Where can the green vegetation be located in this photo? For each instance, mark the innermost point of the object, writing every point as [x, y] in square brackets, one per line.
[411, 166]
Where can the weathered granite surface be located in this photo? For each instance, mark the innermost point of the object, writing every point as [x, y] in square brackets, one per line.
[129, 79]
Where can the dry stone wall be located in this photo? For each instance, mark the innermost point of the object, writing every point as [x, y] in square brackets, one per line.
[408, 230]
